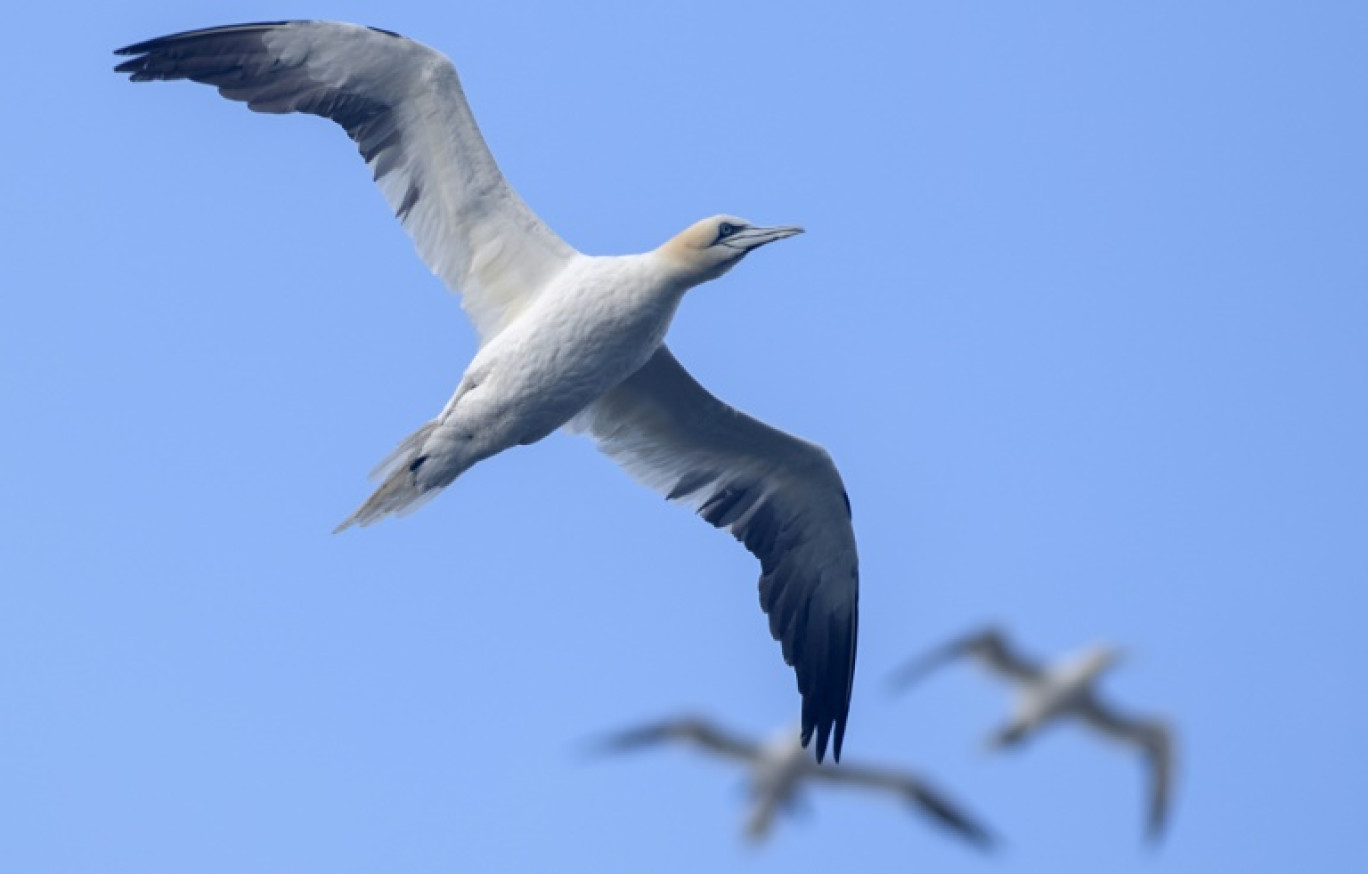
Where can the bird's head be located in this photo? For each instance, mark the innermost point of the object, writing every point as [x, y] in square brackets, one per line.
[1101, 657]
[707, 249]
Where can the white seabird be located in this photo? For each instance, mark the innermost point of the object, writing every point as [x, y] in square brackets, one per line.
[566, 340]
[779, 770]
[1064, 689]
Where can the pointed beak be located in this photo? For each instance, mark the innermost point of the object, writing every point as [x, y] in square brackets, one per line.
[747, 239]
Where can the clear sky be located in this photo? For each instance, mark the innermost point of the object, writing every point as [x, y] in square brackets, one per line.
[1081, 313]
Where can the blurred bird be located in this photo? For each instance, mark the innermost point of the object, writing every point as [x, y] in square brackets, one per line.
[778, 771]
[1064, 689]
[566, 340]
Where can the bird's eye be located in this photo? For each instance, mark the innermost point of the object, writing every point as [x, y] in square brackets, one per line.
[726, 229]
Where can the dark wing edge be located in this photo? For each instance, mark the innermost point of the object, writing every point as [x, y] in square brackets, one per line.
[689, 729]
[780, 496]
[988, 644]
[402, 103]
[926, 798]
[236, 59]
[1155, 738]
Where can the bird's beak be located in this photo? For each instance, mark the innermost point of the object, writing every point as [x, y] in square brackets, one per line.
[747, 239]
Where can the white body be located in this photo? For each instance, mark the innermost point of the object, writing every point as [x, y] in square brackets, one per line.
[776, 773]
[595, 324]
[1056, 691]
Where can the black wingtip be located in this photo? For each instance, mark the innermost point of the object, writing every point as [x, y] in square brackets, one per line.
[161, 42]
[828, 731]
[823, 732]
[827, 687]
[985, 841]
[607, 745]
[970, 828]
[979, 837]
[824, 719]
[830, 734]
[1154, 835]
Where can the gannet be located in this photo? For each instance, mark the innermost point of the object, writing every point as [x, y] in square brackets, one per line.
[1064, 689]
[778, 770]
[566, 340]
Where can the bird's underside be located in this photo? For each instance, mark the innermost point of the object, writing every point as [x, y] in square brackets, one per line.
[402, 103]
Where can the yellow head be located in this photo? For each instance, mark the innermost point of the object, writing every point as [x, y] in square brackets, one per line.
[707, 249]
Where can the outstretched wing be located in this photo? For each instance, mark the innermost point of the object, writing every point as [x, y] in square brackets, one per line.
[403, 105]
[927, 798]
[988, 645]
[687, 729]
[1151, 736]
[779, 495]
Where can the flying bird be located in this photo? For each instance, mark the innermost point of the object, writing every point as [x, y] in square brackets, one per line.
[1062, 690]
[566, 340]
[779, 770]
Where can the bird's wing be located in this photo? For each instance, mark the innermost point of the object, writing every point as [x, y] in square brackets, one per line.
[928, 799]
[1152, 736]
[402, 103]
[688, 729]
[988, 645]
[779, 495]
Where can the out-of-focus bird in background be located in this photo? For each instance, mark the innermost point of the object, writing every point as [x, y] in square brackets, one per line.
[1064, 689]
[779, 772]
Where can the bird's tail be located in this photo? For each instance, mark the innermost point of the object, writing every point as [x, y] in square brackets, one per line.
[401, 489]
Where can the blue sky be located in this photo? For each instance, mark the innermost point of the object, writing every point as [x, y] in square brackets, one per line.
[1080, 314]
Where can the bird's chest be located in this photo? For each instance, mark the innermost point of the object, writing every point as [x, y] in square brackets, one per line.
[594, 337]
[572, 347]
[599, 333]
[1051, 697]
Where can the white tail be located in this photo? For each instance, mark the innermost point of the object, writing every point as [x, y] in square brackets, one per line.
[401, 490]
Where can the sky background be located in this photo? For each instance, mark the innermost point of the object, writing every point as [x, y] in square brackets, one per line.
[1081, 314]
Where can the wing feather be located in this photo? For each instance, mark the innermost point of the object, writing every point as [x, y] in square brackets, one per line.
[402, 103]
[780, 496]
[1154, 738]
[686, 729]
[938, 806]
[989, 645]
